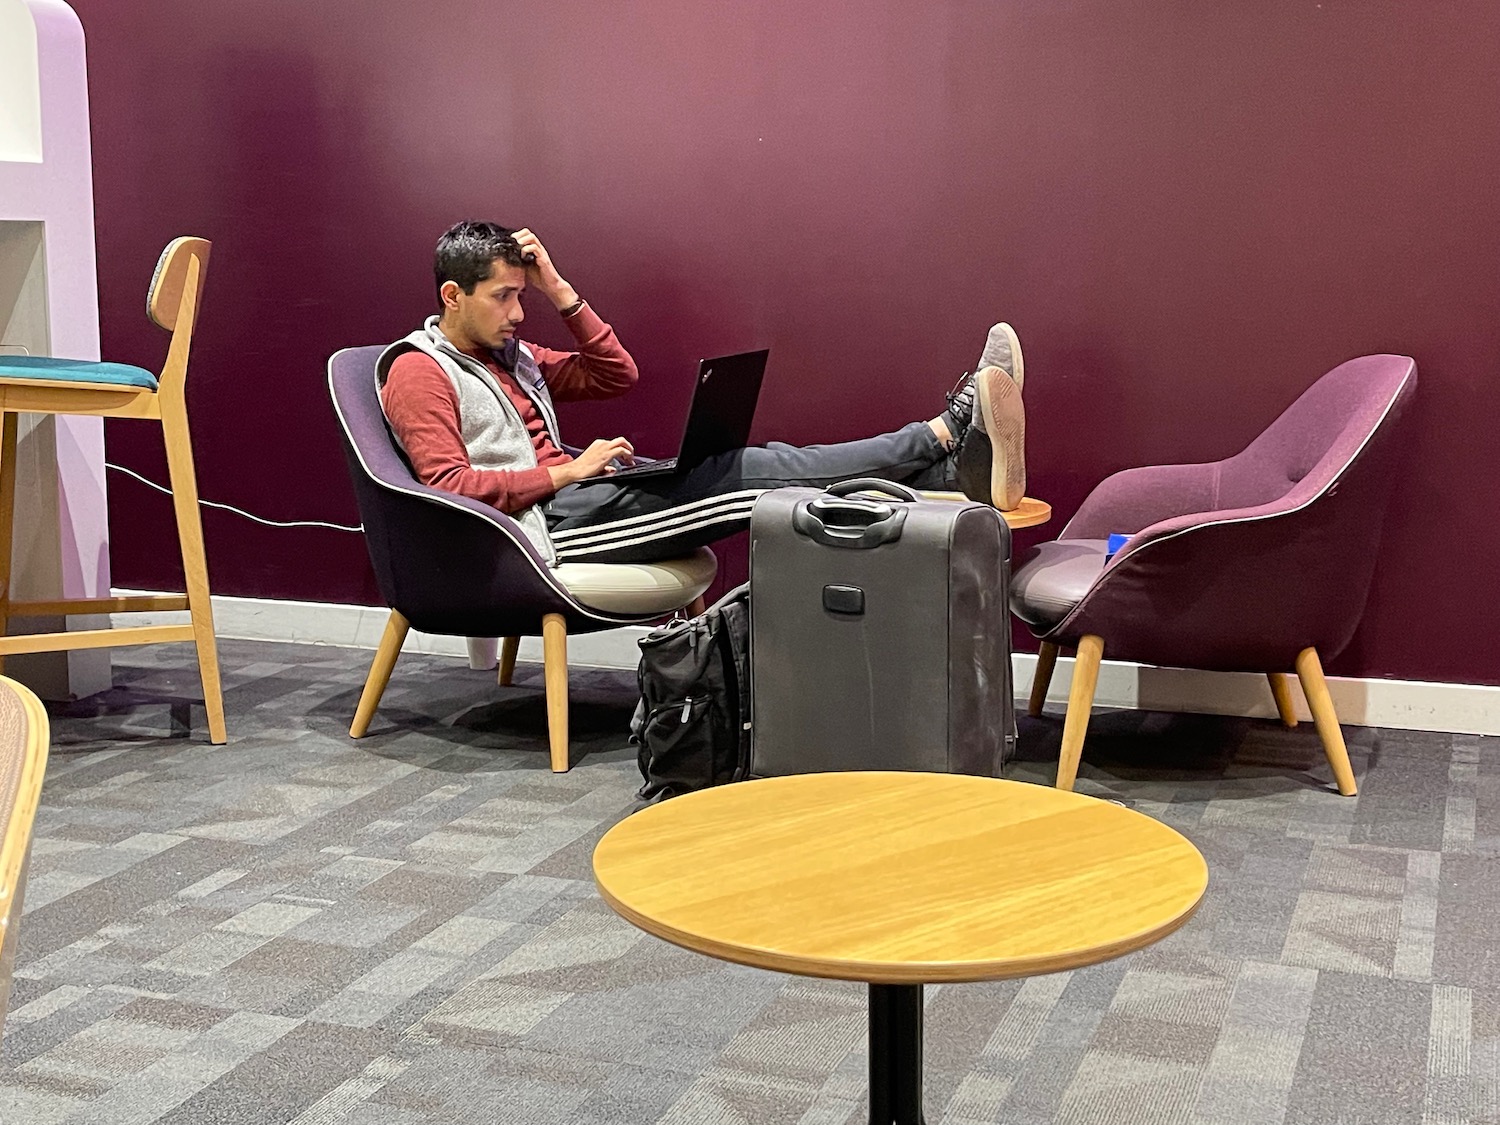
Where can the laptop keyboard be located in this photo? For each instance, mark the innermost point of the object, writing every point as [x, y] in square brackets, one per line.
[666, 464]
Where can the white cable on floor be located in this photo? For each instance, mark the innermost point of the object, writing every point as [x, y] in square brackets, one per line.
[232, 508]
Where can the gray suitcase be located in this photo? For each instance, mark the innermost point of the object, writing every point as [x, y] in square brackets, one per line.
[879, 632]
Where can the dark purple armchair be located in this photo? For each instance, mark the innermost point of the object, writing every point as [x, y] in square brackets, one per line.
[1258, 563]
[450, 565]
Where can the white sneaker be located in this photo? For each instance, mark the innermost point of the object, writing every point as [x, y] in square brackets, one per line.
[1002, 349]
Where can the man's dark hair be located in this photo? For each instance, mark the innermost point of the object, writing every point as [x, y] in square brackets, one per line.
[467, 250]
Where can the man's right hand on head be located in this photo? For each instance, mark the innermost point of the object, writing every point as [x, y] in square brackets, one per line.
[593, 461]
[541, 273]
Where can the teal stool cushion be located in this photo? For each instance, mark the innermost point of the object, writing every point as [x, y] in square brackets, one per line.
[74, 371]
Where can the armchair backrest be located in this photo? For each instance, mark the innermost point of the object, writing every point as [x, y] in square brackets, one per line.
[449, 564]
[1301, 453]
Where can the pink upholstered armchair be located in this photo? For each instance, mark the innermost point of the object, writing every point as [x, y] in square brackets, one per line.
[1258, 563]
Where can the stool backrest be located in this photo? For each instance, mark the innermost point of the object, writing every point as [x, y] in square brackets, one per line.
[24, 734]
[164, 298]
[172, 303]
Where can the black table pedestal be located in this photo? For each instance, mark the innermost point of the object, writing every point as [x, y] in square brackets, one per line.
[896, 1054]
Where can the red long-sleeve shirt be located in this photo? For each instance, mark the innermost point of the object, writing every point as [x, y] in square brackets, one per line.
[422, 407]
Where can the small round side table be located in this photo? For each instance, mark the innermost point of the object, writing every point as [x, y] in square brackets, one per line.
[899, 880]
[1031, 512]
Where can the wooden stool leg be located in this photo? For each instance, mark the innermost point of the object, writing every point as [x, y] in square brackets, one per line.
[174, 426]
[1041, 680]
[391, 640]
[8, 438]
[1282, 691]
[555, 673]
[1320, 703]
[1080, 703]
[509, 646]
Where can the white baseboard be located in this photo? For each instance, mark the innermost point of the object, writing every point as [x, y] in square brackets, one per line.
[1402, 704]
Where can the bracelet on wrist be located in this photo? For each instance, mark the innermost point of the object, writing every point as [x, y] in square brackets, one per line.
[573, 308]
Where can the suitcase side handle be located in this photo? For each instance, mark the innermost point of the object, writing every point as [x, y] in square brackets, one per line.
[857, 524]
[875, 484]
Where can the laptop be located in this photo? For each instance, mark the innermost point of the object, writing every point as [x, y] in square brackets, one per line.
[724, 399]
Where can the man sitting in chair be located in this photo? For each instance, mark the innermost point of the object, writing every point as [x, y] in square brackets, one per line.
[471, 406]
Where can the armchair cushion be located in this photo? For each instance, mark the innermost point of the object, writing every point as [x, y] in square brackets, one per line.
[1054, 579]
[639, 588]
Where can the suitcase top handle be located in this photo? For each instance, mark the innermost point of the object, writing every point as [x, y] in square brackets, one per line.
[874, 484]
[836, 520]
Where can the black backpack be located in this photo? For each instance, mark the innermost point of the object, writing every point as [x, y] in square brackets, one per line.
[693, 720]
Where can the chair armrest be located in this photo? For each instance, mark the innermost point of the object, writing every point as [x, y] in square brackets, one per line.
[1134, 499]
[486, 512]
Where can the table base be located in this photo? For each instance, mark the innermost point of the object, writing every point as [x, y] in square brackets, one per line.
[896, 1054]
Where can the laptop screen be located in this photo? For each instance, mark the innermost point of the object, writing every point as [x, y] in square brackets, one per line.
[723, 409]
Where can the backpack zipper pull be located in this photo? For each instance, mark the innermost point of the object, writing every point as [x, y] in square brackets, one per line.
[687, 709]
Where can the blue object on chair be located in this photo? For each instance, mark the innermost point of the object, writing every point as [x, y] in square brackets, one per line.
[74, 371]
[1114, 545]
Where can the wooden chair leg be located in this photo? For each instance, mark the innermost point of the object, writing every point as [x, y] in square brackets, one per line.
[1041, 680]
[555, 673]
[1282, 691]
[8, 438]
[1320, 703]
[509, 646]
[174, 425]
[396, 628]
[1080, 703]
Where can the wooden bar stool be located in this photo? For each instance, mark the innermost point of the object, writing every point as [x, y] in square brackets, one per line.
[43, 385]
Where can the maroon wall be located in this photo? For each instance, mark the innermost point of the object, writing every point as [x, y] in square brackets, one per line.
[1188, 210]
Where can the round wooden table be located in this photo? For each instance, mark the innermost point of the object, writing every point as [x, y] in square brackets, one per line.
[899, 880]
[1030, 512]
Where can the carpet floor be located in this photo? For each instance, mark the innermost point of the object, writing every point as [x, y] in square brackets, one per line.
[301, 929]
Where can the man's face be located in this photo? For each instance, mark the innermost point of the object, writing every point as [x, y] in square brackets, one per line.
[490, 315]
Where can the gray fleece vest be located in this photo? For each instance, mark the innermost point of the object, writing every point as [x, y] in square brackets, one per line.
[492, 429]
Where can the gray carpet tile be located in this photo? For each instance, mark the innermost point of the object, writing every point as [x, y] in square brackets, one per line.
[299, 929]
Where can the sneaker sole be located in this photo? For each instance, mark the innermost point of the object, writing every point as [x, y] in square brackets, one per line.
[1004, 417]
[1019, 374]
